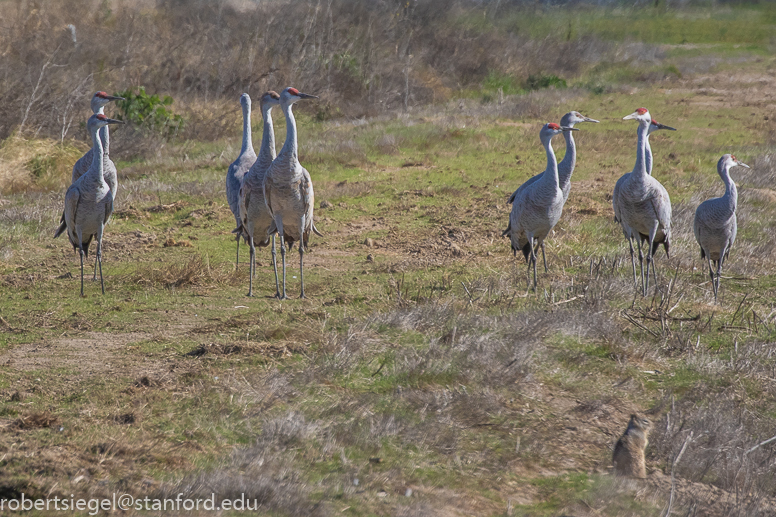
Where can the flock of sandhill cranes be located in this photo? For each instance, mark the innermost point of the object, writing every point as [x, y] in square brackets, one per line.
[272, 195]
[641, 204]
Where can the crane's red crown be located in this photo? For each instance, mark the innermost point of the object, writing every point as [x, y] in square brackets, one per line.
[100, 116]
[101, 95]
[734, 158]
[553, 125]
[641, 111]
[654, 122]
[293, 91]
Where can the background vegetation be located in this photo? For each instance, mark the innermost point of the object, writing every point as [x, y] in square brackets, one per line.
[421, 377]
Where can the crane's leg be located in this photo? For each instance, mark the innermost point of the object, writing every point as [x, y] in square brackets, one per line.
[544, 259]
[99, 255]
[275, 267]
[651, 243]
[641, 261]
[719, 272]
[251, 263]
[94, 276]
[711, 275]
[301, 254]
[532, 260]
[633, 259]
[237, 262]
[279, 226]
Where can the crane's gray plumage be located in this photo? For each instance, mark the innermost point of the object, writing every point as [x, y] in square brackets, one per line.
[89, 202]
[255, 219]
[644, 204]
[565, 167]
[715, 223]
[537, 208]
[288, 190]
[238, 169]
[653, 126]
[98, 102]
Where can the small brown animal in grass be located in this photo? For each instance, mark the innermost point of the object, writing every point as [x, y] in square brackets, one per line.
[628, 458]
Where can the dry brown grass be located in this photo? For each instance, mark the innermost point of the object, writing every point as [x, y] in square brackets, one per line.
[35, 164]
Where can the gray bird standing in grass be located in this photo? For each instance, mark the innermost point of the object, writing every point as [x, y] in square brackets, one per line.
[99, 100]
[715, 223]
[653, 126]
[537, 208]
[645, 207]
[255, 218]
[237, 170]
[288, 190]
[89, 201]
[565, 167]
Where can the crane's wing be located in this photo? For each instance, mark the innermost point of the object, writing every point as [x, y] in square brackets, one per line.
[522, 187]
[267, 198]
[108, 208]
[62, 226]
[308, 196]
[72, 197]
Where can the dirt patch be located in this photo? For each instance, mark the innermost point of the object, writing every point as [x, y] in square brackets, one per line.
[93, 353]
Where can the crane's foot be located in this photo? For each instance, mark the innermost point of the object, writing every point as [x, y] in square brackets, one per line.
[250, 295]
[302, 296]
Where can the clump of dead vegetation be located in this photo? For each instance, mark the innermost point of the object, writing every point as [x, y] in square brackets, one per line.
[196, 271]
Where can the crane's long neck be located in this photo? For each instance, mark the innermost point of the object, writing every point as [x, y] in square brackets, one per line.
[98, 166]
[640, 170]
[247, 142]
[550, 177]
[648, 155]
[104, 132]
[290, 148]
[267, 150]
[731, 192]
[566, 166]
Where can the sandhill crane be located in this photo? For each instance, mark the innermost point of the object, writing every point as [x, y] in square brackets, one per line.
[715, 223]
[237, 170]
[565, 167]
[99, 100]
[288, 190]
[644, 204]
[538, 207]
[653, 126]
[89, 201]
[255, 219]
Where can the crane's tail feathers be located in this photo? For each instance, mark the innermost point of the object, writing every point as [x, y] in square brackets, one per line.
[319, 234]
[60, 230]
[238, 230]
[506, 232]
[703, 254]
[526, 250]
[512, 198]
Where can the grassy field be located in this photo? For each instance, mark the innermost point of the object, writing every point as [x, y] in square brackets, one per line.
[421, 376]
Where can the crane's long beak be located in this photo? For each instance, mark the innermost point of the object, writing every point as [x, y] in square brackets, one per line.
[742, 164]
[631, 116]
[114, 98]
[663, 126]
[114, 121]
[307, 96]
[566, 128]
[588, 119]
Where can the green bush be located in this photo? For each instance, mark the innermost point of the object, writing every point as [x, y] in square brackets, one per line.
[149, 111]
[538, 82]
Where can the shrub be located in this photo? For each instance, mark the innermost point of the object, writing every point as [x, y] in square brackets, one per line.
[149, 111]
